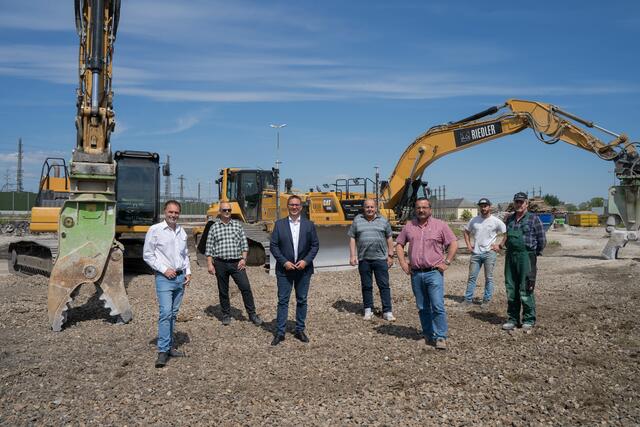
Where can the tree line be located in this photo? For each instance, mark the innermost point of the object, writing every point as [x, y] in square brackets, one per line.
[554, 201]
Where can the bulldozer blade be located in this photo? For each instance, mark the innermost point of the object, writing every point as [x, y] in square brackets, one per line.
[334, 250]
[114, 293]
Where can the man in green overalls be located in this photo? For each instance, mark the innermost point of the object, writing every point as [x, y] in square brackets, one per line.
[525, 239]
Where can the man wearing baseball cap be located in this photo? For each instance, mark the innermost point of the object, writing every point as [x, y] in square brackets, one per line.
[484, 228]
[525, 240]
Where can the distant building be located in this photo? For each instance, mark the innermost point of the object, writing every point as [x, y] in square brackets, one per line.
[452, 208]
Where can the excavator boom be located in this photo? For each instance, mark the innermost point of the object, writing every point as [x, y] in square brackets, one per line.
[87, 249]
[550, 125]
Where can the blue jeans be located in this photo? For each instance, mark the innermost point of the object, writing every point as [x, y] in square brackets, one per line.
[378, 267]
[169, 293]
[300, 281]
[428, 288]
[477, 260]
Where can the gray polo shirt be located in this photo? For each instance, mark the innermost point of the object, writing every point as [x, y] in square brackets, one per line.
[371, 236]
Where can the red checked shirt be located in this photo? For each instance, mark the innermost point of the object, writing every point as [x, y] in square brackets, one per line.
[426, 242]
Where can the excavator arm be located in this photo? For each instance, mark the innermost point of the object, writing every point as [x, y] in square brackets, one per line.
[550, 125]
[88, 251]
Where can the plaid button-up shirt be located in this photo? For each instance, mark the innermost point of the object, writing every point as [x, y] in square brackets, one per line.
[532, 229]
[226, 241]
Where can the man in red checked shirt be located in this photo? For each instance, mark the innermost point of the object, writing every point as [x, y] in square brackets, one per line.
[428, 238]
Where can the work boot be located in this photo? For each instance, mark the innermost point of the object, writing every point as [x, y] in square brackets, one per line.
[441, 344]
[255, 319]
[162, 359]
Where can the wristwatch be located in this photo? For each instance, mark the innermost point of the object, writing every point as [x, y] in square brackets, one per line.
[446, 261]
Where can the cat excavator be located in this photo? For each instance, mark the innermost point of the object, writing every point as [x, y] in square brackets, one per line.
[252, 192]
[87, 249]
[550, 124]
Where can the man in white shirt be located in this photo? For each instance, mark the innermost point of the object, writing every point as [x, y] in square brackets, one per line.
[484, 228]
[165, 251]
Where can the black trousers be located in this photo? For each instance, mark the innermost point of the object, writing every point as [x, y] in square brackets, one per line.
[226, 269]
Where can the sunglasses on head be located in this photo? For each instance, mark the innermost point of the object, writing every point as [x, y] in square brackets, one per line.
[225, 210]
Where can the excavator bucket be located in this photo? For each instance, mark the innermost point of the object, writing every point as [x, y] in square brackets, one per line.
[88, 253]
[334, 249]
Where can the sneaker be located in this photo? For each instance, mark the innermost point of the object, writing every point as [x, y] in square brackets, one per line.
[441, 344]
[527, 327]
[368, 314]
[388, 316]
[226, 320]
[466, 303]
[484, 305]
[255, 319]
[509, 326]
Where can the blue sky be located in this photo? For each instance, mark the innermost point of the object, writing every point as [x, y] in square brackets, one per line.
[355, 81]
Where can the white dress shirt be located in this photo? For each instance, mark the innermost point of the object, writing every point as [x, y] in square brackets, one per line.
[165, 248]
[294, 226]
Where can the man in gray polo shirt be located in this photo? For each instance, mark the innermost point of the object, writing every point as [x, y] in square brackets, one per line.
[371, 234]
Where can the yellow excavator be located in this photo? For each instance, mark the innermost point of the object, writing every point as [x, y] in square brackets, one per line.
[105, 203]
[252, 193]
[137, 191]
[550, 124]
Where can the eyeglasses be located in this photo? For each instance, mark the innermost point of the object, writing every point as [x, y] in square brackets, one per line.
[225, 210]
[294, 205]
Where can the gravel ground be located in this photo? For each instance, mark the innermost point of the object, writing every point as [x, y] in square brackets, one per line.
[579, 366]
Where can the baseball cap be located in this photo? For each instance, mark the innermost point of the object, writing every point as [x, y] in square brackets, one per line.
[520, 196]
[484, 201]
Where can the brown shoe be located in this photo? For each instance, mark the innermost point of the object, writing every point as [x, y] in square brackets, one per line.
[441, 344]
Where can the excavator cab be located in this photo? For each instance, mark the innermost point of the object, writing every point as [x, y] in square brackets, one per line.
[137, 189]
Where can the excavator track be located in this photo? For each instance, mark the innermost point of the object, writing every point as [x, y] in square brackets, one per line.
[30, 257]
[259, 241]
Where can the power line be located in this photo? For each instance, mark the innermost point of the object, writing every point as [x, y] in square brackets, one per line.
[19, 172]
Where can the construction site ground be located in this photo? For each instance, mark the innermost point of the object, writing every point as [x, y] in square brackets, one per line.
[580, 365]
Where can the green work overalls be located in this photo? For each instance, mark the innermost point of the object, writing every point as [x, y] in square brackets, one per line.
[520, 274]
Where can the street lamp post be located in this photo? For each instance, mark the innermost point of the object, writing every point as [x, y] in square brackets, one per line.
[276, 175]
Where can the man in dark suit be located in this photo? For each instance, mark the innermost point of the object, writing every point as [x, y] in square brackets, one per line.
[294, 245]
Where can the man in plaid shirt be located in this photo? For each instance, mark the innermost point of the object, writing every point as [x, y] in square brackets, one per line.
[226, 253]
[525, 240]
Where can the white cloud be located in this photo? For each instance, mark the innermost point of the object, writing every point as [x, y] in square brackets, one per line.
[216, 51]
[43, 16]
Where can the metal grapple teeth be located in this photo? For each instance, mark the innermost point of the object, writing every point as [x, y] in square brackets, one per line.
[617, 240]
[114, 293]
[73, 270]
[59, 300]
